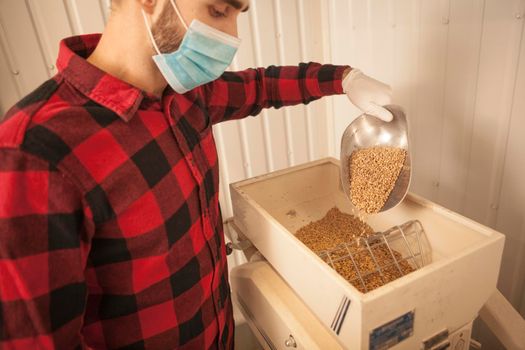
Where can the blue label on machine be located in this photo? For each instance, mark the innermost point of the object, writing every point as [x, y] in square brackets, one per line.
[393, 332]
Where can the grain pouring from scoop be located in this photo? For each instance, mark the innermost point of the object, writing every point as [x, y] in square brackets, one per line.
[373, 175]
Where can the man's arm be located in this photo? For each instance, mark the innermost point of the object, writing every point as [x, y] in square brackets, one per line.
[43, 252]
[236, 95]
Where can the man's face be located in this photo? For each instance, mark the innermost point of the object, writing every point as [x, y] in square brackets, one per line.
[168, 31]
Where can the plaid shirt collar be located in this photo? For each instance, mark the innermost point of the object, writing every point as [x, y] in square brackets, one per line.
[120, 97]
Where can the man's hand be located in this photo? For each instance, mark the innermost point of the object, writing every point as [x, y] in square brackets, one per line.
[368, 94]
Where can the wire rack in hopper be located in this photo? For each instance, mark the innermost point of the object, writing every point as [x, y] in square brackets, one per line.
[372, 261]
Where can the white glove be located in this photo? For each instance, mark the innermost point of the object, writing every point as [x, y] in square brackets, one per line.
[368, 94]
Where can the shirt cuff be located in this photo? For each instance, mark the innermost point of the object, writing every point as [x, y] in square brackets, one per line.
[331, 79]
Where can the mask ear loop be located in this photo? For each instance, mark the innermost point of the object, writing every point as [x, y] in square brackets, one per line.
[179, 14]
[148, 27]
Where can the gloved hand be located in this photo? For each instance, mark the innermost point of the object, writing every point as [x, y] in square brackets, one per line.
[368, 94]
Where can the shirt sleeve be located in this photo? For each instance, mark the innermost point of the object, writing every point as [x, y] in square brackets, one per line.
[44, 242]
[236, 95]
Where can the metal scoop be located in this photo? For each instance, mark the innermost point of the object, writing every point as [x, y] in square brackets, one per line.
[368, 131]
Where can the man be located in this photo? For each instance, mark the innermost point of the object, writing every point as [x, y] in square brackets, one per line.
[110, 228]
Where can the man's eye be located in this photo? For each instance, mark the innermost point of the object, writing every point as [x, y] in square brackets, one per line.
[216, 13]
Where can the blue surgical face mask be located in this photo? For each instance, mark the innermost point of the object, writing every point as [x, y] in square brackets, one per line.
[203, 55]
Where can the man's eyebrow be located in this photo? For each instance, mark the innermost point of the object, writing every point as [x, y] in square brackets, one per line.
[237, 5]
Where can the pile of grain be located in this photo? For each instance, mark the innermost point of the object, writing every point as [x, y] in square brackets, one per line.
[343, 232]
[373, 174]
[333, 229]
[368, 269]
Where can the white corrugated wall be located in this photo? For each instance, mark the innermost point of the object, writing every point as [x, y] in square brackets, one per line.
[457, 66]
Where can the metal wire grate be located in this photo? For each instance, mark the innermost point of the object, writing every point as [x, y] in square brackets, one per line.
[370, 262]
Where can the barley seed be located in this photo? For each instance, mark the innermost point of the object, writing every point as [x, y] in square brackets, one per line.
[373, 175]
[333, 229]
[336, 228]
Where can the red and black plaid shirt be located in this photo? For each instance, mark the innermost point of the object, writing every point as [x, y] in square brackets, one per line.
[110, 229]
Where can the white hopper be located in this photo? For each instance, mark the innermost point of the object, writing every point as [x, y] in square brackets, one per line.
[445, 294]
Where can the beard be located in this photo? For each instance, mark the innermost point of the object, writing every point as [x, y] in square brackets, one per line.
[168, 31]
